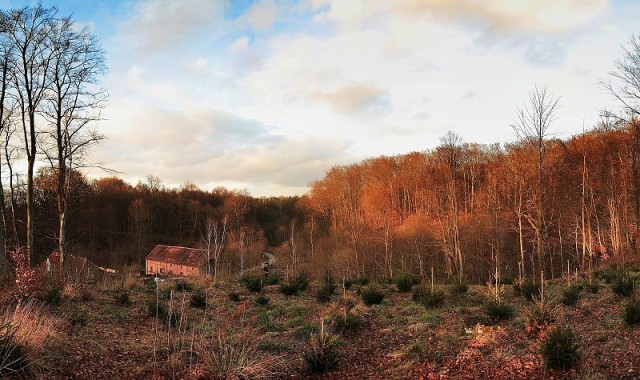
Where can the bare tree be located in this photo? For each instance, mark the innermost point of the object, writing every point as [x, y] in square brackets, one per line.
[28, 30]
[247, 237]
[625, 86]
[140, 221]
[215, 240]
[73, 102]
[6, 108]
[532, 127]
[450, 155]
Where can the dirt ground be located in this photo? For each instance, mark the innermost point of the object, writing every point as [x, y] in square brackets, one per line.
[105, 335]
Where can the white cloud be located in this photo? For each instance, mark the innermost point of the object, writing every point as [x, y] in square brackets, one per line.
[240, 44]
[261, 15]
[353, 98]
[275, 108]
[199, 64]
[164, 24]
[134, 76]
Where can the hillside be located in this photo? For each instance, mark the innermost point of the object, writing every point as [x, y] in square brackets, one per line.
[107, 332]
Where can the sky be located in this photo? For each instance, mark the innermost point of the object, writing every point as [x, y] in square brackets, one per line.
[267, 96]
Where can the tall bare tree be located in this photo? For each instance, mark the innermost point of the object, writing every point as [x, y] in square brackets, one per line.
[532, 127]
[215, 240]
[73, 102]
[6, 108]
[450, 154]
[28, 30]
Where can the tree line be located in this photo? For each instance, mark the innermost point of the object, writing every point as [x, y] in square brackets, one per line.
[537, 206]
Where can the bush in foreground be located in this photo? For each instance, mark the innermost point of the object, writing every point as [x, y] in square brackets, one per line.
[372, 296]
[559, 349]
[198, 299]
[326, 290]
[498, 311]
[623, 286]
[458, 287]
[428, 297]
[571, 294]
[631, 313]
[405, 282]
[529, 289]
[252, 283]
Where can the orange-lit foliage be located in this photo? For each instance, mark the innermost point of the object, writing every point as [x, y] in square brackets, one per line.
[592, 205]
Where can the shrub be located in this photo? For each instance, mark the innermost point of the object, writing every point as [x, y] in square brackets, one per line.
[183, 286]
[458, 287]
[539, 315]
[428, 297]
[326, 291]
[632, 311]
[324, 294]
[252, 283]
[498, 311]
[361, 281]
[372, 296]
[271, 280]
[301, 281]
[262, 301]
[623, 286]
[506, 280]
[86, 296]
[78, 318]
[234, 296]
[345, 320]
[593, 286]
[198, 299]
[266, 324]
[559, 349]
[160, 311]
[322, 354]
[608, 275]
[306, 330]
[122, 298]
[529, 289]
[118, 315]
[405, 282]
[52, 296]
[571, 294]
[156, 308]
[288, 288]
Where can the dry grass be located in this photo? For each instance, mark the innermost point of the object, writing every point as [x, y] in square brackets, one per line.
[25, 331]
[234, 357]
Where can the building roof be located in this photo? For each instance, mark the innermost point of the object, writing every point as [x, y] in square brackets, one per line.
[71, 262]
[178, 255]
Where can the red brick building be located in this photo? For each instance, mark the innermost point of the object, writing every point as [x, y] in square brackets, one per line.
[176, 261]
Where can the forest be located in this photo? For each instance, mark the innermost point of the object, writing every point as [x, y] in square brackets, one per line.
[462, 210]
[514, 260]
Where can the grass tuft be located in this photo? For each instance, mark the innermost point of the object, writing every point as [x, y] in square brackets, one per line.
[322, 353]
